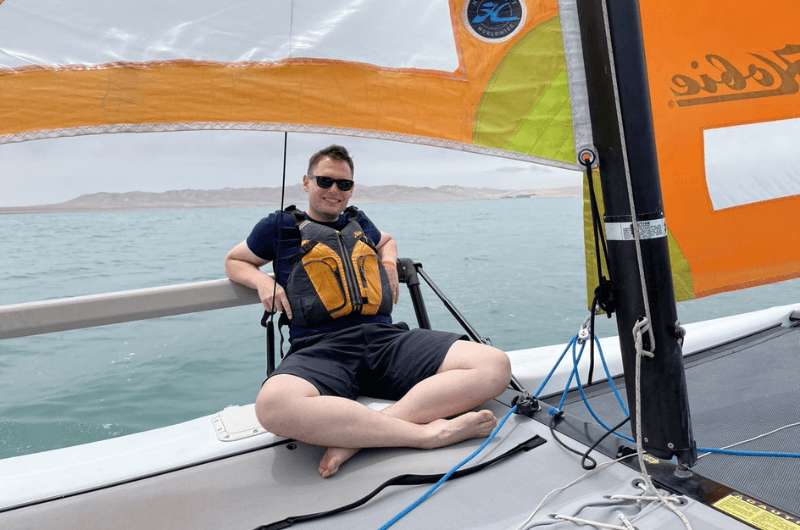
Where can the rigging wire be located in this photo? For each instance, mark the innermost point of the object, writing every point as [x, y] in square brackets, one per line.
[634, 218]
[603, 294]
[269, 316]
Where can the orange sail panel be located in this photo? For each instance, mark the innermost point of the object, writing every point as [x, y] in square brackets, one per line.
[486, 101]
[725, 93]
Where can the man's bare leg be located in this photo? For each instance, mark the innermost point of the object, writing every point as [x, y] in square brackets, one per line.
[292, 407]
[470, 374]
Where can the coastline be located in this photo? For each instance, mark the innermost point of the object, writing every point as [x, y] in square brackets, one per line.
[258, 197]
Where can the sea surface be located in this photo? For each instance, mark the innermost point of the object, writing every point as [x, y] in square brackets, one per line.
[513, 267]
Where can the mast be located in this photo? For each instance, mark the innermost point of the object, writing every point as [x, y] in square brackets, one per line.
[666, 422]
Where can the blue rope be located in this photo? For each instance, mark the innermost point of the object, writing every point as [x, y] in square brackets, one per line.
[553, 369]
[610, 379]
[575, 361]
[425, 496]
[571, 376]
[768, 454]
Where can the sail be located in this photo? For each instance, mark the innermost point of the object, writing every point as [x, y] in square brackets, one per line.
[725, 93]
[487, 77]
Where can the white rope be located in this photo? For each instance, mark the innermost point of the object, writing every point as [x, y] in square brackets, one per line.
[638, 330]
[634, 219]
[526, 522]
[581, 521]
[628, 525]
[646, 498]
[754, 438]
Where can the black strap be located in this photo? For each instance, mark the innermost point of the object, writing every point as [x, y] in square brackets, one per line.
[266, 322]
[405, 480]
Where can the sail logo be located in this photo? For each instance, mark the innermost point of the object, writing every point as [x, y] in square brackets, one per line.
[494, 20]
[718, 79]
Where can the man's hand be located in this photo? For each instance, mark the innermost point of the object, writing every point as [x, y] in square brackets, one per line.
[394, 282]
[277, 303]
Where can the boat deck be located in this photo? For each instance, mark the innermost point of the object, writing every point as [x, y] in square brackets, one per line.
[265, 485]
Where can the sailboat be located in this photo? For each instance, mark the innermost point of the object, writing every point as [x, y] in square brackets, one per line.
[682, 114]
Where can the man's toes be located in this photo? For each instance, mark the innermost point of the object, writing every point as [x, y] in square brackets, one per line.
[327, 470]
[486, 416]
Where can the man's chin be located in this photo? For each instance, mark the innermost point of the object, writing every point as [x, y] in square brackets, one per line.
[331, 213]
[335, 211]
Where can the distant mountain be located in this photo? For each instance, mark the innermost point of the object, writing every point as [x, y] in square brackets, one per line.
[271, 197]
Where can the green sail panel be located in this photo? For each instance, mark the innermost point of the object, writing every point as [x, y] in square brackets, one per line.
[526, 106]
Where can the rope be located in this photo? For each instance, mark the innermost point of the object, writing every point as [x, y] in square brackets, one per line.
[638, 330]
[725, 451]
[581, 521]
[527, 521]
[610, 380]
[555, 366]
[625, 522]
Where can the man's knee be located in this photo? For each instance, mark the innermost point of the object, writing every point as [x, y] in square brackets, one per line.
[278, 401]
[492, 363]
[268, 408]
[497, 368]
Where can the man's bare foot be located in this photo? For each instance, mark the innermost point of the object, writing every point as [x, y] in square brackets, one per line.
[442, 433]
[468, 425]
[333, 458]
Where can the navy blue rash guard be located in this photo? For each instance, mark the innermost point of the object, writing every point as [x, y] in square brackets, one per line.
[263, 242]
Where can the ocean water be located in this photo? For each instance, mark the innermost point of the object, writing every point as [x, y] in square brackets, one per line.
[513, 267]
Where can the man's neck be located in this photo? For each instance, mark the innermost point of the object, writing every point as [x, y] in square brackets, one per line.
[322, 218]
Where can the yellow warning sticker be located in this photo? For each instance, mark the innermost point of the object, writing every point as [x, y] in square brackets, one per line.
[756, 513]
[651, 459]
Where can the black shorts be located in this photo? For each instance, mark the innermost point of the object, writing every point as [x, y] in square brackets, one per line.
[377, 360]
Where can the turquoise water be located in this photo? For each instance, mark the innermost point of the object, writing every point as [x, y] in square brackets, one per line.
[514, 268]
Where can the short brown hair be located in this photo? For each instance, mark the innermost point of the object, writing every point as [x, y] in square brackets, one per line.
[336, 152]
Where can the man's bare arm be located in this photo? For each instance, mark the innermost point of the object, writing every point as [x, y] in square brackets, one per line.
[387, 253]
[242, 266]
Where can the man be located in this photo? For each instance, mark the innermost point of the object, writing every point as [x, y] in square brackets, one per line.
[343, 342]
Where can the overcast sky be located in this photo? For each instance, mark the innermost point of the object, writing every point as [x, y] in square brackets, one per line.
[48, 171]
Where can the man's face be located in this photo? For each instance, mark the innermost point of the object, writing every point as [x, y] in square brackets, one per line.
[325, 204]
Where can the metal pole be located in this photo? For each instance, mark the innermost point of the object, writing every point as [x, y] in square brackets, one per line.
[408, 274]
[515, 384]
[666, 421]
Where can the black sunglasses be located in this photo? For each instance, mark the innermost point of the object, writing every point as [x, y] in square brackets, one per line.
[327, 182]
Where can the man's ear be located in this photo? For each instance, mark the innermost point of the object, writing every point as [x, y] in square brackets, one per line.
[305, 182]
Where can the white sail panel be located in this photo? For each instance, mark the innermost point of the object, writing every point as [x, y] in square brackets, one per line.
[752, 163]
[408, 34]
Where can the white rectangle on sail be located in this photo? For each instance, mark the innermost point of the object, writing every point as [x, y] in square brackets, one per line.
[752, 163]
[408, 34]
